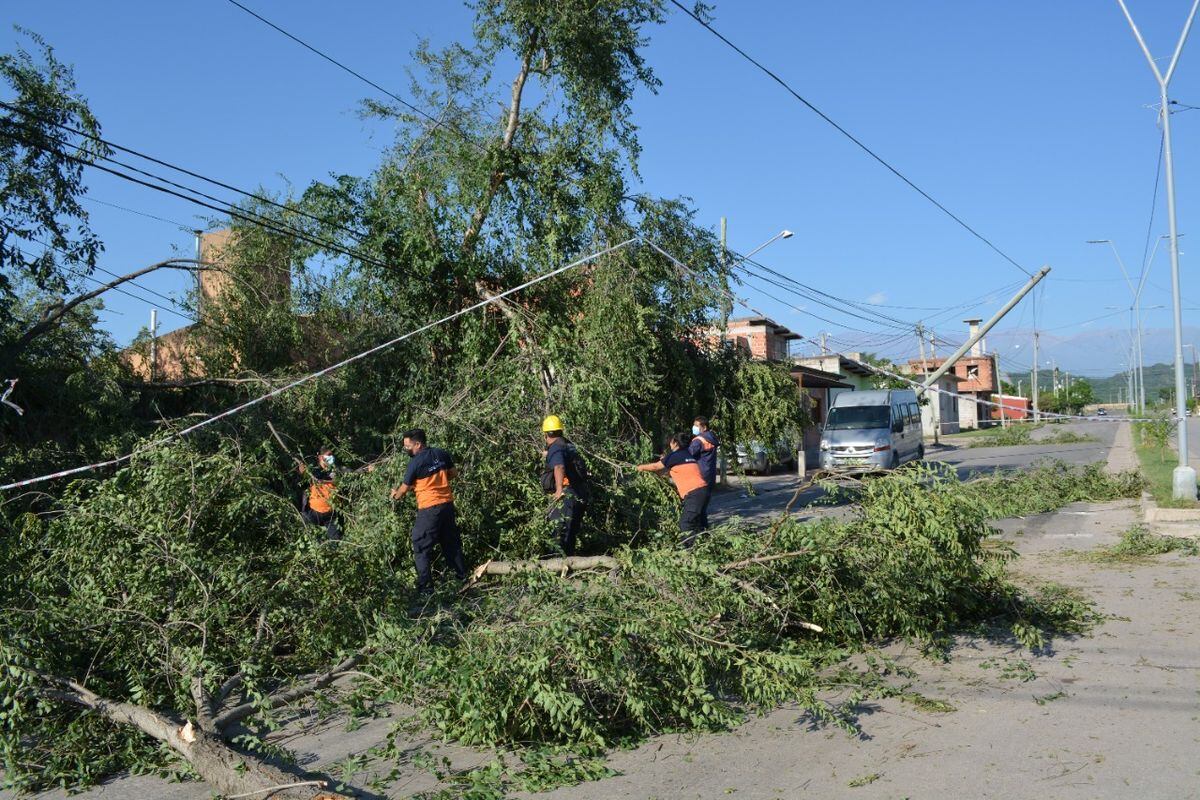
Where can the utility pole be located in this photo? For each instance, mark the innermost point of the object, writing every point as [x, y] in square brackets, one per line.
[824, 344]
[153, 344]
[1183, 479]
[1193, 370]
[987, 326]
[1035, 381]
[935, 401]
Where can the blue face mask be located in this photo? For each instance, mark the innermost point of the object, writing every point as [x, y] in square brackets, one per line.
[695, 430]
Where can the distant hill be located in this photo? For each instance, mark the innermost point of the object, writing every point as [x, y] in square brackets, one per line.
[1113, 388]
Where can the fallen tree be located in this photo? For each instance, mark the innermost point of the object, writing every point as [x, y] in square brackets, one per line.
[171, 615]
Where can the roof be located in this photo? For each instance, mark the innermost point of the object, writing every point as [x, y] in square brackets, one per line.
[767, 322]
[811, 378]
[847, 366]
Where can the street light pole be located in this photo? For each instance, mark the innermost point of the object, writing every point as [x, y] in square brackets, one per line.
[1184, 477]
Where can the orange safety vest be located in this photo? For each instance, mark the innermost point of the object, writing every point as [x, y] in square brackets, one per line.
[319, 497]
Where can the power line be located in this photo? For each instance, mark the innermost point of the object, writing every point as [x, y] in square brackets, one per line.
[225, 207]
[848, 135]
[358, 235]
[180, 225]
[1162, 141]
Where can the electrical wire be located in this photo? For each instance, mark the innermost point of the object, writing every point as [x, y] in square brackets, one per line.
[180, 225]
[229, 412]
[787, 87]
[358, 235]
[262, 221]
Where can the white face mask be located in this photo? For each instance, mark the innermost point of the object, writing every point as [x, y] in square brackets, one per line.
[695, 430]
[328, 458]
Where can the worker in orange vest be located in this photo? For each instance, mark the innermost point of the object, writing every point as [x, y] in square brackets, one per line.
[430, 471]
[684, 471]
[318, 501]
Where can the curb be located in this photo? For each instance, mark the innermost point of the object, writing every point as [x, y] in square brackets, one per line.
[1151, 513]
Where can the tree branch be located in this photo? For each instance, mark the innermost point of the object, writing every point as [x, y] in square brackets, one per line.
[560, 565]
[56, 312]
[282, 698]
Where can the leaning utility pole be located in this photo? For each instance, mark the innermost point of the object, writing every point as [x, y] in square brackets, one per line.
[987, 326]
[1184, 477]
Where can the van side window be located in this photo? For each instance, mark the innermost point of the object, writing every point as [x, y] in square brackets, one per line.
[914, 413]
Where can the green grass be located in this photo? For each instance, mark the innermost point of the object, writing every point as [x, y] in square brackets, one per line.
[1157, 468]
[1021, 434]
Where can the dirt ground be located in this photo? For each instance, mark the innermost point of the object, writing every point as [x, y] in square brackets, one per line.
[1112, 715]
[1116, 714]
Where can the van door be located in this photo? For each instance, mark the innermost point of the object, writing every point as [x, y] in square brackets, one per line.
[899, 423]
[917, 432]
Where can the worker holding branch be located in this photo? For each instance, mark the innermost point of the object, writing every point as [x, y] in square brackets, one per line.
[684, 471]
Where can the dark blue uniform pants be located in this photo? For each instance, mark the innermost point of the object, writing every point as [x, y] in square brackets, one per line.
[436, 525]
[567, 516]
[693, 519]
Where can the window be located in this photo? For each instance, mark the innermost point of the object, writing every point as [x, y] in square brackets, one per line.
[852, 418]
[973, 372]
[914, 414]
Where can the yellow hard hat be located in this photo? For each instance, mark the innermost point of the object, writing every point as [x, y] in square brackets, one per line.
[551, 423]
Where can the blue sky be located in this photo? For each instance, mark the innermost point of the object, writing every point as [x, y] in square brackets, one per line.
[1027, 119]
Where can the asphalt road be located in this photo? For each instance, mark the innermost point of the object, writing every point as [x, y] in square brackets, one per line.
[761, 498]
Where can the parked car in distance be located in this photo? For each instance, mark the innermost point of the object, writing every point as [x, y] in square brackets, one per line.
[1102, 412]
[758, 458]
[877, 429]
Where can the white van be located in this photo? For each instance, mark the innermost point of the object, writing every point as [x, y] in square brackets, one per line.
[876, 429]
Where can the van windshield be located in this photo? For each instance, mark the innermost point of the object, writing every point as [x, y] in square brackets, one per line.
[853, 418]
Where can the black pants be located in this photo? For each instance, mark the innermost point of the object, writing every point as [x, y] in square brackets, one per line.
[436, 525]
[704, 511]
[692, 517]
[325, 520]
[567, 516]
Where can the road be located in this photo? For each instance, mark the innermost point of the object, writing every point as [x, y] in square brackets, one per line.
[760, 498]
[1111, 715]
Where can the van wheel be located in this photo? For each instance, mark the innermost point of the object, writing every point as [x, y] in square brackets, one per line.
[895, 461]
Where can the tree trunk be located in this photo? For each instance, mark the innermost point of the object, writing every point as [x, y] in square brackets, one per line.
[228, 771]
[231, 773]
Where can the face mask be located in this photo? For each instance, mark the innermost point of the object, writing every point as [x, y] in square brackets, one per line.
[695, 430]
[329, 460]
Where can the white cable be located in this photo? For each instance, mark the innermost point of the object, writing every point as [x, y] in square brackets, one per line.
[313, 376]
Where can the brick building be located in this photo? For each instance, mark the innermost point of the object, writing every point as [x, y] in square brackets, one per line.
[762, 338]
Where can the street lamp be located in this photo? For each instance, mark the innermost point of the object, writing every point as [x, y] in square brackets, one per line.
[1183, 479]
[783, 234]
[1135, 312]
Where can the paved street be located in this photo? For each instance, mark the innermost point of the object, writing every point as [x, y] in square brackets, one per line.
[1112, 715]
[771, 493]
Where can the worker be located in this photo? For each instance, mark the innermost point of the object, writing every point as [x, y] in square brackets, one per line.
[683, 469]
[704, 447]
[318, 500]
[565, 477]
[428, 476]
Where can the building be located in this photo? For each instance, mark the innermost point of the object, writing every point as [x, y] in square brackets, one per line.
[761, 338]
[848, 366]
[943, 403]
[176, 354]
[820, 387]
[979, 381]
[1011, 407]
